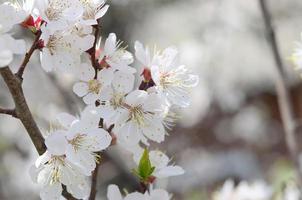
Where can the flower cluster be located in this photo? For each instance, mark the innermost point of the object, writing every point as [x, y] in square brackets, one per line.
[118, 111]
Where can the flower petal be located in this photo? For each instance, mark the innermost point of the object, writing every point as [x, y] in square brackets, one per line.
[113, 193]
[80, 88]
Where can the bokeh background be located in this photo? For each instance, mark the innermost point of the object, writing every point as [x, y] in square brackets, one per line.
[233, 127]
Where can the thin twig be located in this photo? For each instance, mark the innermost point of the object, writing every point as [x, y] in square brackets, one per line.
[11, 112]
[28, 55]
[285, 105]
[94, 179]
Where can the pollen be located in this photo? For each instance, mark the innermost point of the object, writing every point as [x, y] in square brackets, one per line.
[94, 86]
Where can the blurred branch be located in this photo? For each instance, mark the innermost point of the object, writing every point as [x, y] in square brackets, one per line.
[284, 100]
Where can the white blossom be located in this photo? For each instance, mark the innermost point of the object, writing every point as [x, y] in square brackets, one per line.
[171, 79]
[140, 118]
[84, 139]
[62, 49]
[112, 100]
[53, 169]
[113, 193]
[59, 14]
[89, 87]
[93, 10]
[258, 190]
[115, 56]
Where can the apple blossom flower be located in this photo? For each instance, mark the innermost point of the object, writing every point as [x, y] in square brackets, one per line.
[93, 10]
[160, 161]
[172, 80]
[113, 193]
[89, 87]
[141, 118]
[84, 138]
[59, 14]
[62, 49]
[255, 191]
[50, 171]
[112, 100]
[116, 57]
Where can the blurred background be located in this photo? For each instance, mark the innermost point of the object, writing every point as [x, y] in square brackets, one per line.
[233, 127]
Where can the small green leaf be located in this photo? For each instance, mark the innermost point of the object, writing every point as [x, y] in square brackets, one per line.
[144, 169]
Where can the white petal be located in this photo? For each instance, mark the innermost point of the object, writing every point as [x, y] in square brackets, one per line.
[66, 119]
[97, 139]
[90, 98]
[169, 171]
[141, 54]
[6, 57]
[102, 12]
[46, 60]
[155, 131]
[155, 74]
[51, 192]
[110, 44]
[129, 134]
[105, 76]
[135, 196]
[82, 158]
[159, 194]
[86, 72]
[56, 143]
[80, 190]
[123, 82]
[80, 88]
[137, 97]
[106, 93]
[113, 193]
[41, 160]
[158, 159]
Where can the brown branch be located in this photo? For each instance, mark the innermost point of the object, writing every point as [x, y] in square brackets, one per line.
[94, 179]
[11, 112]
[285, 106]
[22, 111]
[28, 55]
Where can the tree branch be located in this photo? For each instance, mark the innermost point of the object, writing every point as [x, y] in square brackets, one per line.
[285, 106]
[11, 112]
[22, 111]
[94, 179]
[28, 55]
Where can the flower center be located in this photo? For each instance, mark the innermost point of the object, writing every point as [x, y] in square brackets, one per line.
[167, 79]
[116, 101]
[54, 10]
[94, 86]
[77, 142]
[137, 114]
[56, 162]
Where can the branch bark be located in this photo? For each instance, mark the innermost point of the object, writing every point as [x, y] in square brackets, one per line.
[284, 100]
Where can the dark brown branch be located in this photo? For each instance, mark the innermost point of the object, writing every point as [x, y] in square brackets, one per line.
[284, 101]
[22, 111]
[28, 55]
[94, 179]
[11, 112]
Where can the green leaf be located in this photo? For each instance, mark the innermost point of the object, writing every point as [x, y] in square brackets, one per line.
[144, 169]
